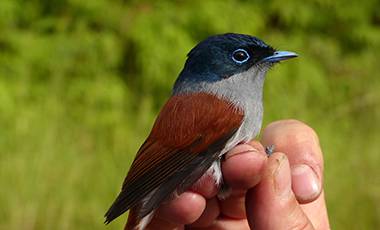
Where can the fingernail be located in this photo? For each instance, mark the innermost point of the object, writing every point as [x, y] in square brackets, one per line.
[282, 182]
[305, 182]
[241, 149]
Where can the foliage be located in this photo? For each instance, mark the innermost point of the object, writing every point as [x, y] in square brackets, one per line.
[81, 82]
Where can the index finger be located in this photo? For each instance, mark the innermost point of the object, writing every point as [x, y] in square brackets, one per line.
[241, 171]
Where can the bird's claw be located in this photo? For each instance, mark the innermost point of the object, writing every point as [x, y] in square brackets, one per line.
[269, 150]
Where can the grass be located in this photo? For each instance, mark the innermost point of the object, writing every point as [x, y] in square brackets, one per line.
[61, 166]
[82, 81]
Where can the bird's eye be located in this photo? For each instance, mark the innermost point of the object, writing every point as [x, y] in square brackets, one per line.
[240, 56]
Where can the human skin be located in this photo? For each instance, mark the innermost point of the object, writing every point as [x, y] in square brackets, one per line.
[283, 191]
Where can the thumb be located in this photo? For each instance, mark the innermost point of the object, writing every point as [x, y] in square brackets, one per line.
[271, 204]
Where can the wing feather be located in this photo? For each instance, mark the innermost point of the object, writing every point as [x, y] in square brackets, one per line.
[186, 138]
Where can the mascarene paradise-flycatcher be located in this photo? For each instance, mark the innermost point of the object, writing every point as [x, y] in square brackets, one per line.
[216, 103]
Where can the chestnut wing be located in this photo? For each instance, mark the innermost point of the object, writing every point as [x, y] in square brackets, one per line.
[186, 139]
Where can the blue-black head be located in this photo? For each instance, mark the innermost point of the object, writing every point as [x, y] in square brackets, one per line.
[222, 56]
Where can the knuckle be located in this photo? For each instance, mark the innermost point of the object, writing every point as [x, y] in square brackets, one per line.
[298, 220]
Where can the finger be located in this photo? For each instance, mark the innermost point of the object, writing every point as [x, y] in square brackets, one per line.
[234, 205]
[205, 186]
[241, 171]
[271, 204]
[158, 223]
[226, 224]
[209, 215]
[184, 209]
[301, 145]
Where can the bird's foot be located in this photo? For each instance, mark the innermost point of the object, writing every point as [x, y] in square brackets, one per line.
[269, 150]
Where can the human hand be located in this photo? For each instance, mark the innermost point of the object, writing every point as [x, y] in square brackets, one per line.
[290, 193]
[261, 197]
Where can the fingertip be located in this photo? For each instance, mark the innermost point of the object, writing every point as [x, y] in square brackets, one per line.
[184, 209]
[209, 215]
[294, 130]
[243, 165]
[250, 147]
[257, 145]
[205, 186]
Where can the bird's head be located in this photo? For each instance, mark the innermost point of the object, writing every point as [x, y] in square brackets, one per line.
[227, 55]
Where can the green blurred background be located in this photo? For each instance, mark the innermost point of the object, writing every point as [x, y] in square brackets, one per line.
[81, 82]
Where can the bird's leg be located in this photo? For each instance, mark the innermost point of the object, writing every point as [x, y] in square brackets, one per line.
[269, 150]
[224, 189]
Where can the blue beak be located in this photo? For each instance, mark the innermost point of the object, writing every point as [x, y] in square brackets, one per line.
[280, 56]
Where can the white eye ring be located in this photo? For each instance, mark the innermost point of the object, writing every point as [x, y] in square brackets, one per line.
[242, 58]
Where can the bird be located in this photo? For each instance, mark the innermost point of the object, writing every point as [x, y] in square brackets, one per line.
[216, 103]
